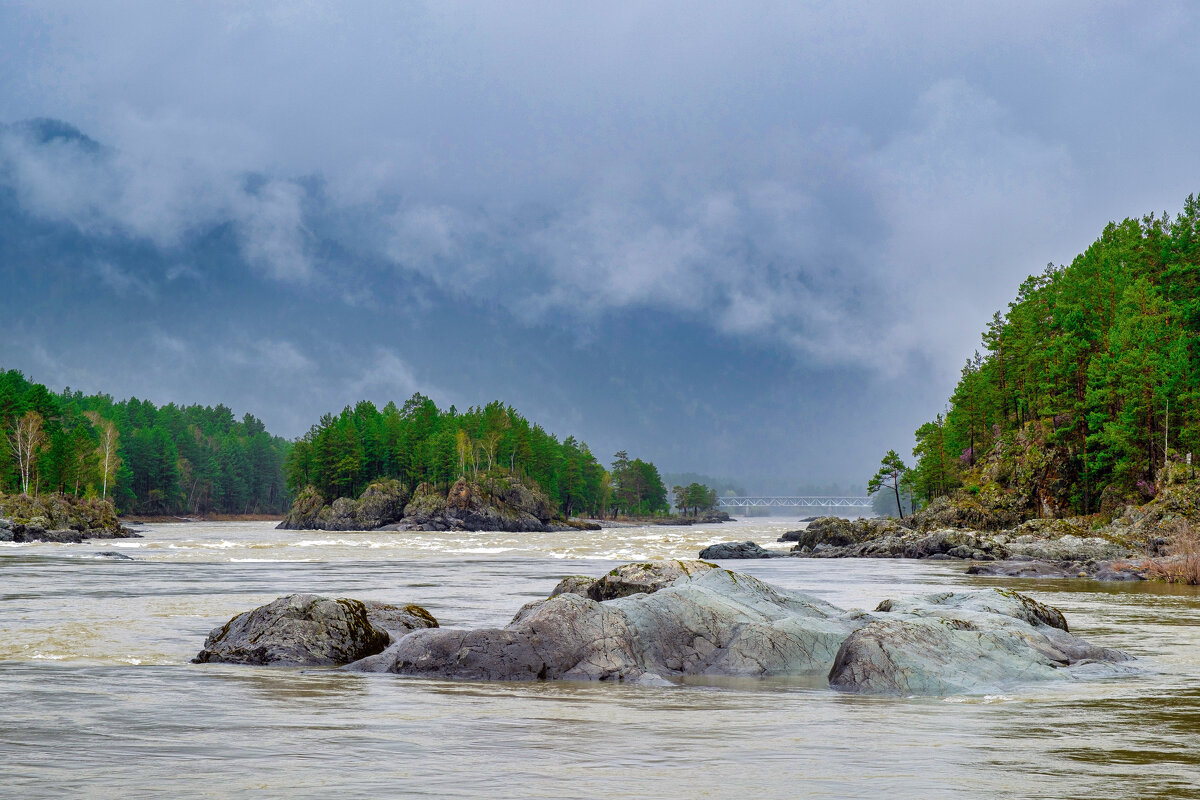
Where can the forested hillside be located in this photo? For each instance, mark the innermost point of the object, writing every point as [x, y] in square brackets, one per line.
[1090, 382]
[419, 443]
[148, 459]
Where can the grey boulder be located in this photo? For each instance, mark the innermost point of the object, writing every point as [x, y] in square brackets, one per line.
[308, 630]
[644, 577]
[725, 550]
[961, 642]
[708, 621]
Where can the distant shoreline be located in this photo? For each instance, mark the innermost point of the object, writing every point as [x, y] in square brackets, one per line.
[167, 518]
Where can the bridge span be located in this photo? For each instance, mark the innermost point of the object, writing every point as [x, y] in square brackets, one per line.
[794, 502]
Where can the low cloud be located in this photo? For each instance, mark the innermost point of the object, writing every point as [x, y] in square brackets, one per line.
[156, 194]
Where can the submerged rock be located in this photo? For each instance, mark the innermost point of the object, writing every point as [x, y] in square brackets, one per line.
[310, 630]
[738, 550]
[1119, 570]
[115, 556]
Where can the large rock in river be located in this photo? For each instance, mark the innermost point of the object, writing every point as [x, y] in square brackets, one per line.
[310, 630]
[709, 622]
[961, 642]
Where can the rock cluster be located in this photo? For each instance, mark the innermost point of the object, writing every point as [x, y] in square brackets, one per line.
[711, 621]
[58, 518]
[655, 622]
[1059, 542]
[381, 503]
[492, 503]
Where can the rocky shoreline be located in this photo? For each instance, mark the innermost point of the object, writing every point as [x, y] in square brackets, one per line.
[486, 503]
[489, 503]
[59, 518]
[1126, 549]
[658, 622]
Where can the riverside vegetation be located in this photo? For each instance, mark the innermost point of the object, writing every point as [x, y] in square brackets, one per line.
[487, 468]
[144, 458]
[1067, 449]
[1085, 409]
[417, 467]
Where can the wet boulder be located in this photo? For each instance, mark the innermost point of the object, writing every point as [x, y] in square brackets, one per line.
[302, 516]
[706, 622]
[1069, 547]
[694, 621]
[573, 584]
[725, 550]
[1021, 568]
[297, 630]
[645, 577]
[843, 535]
[398, 620]
[961, 642]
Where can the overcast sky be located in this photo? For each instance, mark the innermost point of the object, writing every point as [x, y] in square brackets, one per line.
[756, 240]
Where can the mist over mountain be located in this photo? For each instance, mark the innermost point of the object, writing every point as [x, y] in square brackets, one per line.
[756, 245]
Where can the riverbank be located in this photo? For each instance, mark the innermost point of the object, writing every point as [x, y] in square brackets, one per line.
[168, 519]
[1156, 541]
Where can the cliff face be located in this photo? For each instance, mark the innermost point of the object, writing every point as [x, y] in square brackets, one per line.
[490, 503]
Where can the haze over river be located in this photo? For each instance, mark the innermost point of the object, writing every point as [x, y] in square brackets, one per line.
[98, 698]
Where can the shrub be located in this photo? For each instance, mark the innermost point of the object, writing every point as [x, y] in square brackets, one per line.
[1182, 562]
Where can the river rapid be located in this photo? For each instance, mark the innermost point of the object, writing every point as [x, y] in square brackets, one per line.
[98, 698]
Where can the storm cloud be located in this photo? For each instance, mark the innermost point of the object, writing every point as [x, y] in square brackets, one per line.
[751, 241]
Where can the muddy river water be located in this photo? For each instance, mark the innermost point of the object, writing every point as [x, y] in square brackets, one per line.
[98, 698]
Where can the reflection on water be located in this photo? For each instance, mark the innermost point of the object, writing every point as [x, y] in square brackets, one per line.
[97, 698]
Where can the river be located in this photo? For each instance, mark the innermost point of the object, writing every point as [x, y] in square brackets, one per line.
[98, 698]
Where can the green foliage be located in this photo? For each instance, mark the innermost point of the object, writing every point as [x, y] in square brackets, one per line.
[172, 459]
[637, 488]
[1100, 357]
[891, 475]
[418, 443]
[694, 498]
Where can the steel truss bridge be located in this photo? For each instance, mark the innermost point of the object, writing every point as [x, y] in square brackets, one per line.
[793, 502]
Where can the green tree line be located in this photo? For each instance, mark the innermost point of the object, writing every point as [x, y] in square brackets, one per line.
[418, 442]
[1100, 356]
[148, 459]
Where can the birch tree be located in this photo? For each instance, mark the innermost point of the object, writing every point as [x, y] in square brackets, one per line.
[106, 453]
[26, 440]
